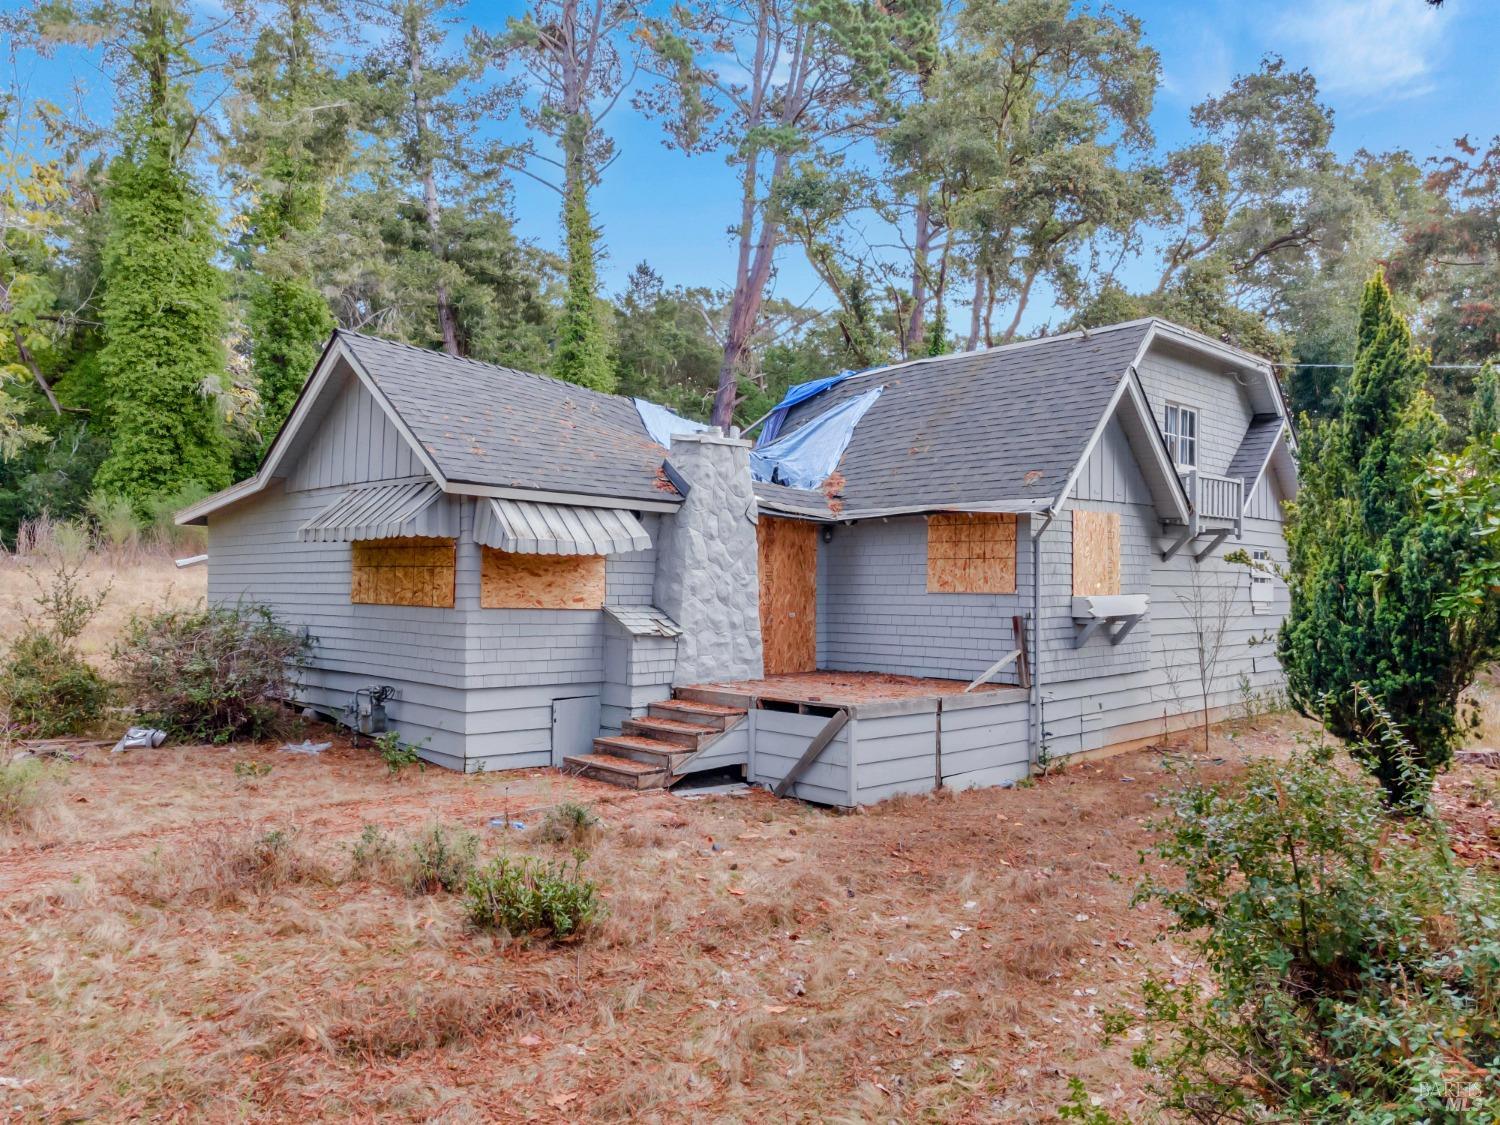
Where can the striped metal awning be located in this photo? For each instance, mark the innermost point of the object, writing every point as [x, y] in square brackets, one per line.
[383, 511]
[523, 527]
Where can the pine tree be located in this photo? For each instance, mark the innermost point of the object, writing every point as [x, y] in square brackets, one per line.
[1370, 564]
[582, 356]
[290, 139]
[163, 311]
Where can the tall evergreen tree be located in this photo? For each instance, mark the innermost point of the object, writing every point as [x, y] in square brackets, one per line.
[1371, 564]
[163, 310]
[289, 139]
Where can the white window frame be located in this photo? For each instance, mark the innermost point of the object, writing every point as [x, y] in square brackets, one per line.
[1179, 442]
[1262, 588]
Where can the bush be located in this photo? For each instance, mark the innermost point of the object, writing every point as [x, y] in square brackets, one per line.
[396, 754]
[47, 688]
[1356, 968]
[114, 521]
[441, 862]
[213, 674]
[529, 898]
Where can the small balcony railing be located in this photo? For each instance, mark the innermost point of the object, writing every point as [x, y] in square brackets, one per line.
[1216, 500]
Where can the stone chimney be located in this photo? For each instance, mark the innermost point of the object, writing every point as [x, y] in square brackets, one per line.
[706, 574]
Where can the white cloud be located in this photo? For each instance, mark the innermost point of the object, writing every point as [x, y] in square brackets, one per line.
[1371, 48]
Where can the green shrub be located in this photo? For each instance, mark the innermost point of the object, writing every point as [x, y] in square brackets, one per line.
[161, 513]
[530, 898]
[396, 754]
[1355, 967]
[373, 855]
[114, 521]
[248, 769]
[25, 785]
[214, 674]
[442, 862]
[47, 688]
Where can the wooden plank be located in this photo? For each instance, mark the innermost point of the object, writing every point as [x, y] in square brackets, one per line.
[971, 553]
[788, 561]
[810, 755]
[508, 581]
[1096, 552]
[411, 571]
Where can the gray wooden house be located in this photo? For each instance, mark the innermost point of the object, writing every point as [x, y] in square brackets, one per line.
[528, 578]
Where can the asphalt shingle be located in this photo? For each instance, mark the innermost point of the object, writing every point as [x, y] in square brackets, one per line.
[490, 425]
[1004, 424]
[1250, 457]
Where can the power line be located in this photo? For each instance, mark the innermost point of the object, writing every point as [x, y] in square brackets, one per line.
[1430, 366]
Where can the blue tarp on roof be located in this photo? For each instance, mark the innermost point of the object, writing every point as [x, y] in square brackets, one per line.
[807, 457]
[801, 392]
[661, 423]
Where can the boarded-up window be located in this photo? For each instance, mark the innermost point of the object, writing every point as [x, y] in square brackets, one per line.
[971, 553]
[412, 571]
[508, 581]
[1096, 552]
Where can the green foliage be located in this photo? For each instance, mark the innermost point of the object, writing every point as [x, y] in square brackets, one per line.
[213, 674]
[1371, 563]
[163, 311]
[397, 754]
[248, 769]
[529, 898]
[442, 861]
[47, 688]
[372, 854]
[582, 355]
[1356, 968]
[115, 523]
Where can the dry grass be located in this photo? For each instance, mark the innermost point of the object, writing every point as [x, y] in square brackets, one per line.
[935, 958]
[139, 581]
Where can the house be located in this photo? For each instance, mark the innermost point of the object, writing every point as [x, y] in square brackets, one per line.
[515, 572]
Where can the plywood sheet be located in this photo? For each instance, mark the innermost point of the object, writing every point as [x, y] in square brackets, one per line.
[971, 553]
[1096, 552]
[508, 581]
[410, 571]
[788, 560]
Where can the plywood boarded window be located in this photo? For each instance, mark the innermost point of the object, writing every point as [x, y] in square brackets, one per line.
[971, 553]
[1096, 552]
[788, 561]
[410, 571]
[508, 581]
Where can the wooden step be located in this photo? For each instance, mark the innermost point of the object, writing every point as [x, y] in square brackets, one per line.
[624, 772]
[715, 715]
[647, 751]
[719, 697]
[663, 729]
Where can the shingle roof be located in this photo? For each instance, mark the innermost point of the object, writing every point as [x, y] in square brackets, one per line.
[1004, 424]
[1250, 458]
[489, 425]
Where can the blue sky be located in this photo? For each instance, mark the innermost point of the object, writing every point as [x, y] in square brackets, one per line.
[1397, 73]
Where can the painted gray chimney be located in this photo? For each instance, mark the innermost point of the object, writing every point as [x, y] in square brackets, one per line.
[706, 578]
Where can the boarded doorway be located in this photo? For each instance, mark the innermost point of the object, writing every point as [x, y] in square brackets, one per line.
[788, 560]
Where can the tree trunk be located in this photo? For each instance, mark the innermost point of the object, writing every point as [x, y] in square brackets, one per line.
[920, 250]
[447, 325]
[976, 314]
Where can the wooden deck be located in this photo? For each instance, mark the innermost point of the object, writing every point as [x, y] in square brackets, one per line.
[834, 689]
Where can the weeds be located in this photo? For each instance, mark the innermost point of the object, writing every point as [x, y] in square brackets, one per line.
[25, 789]
[398, 755]
[248, 769]
[530, 898]
[47, 688]
[441, 861]
[373, 855]
[219, 868]
[569, 823]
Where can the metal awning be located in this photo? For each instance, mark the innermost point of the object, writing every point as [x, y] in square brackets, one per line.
[383, 511]
[523, 527]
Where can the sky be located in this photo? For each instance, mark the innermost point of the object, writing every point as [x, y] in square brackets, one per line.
[1398, 74]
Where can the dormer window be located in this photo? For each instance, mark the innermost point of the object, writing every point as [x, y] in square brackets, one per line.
[1181, 432]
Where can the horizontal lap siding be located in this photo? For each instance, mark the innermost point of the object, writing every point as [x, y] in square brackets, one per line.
[895, 754]
[733, 749]
[985, 745]
[779, 739]
[875, 614]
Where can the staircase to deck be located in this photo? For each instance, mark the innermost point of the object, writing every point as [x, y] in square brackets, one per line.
[657, 749]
